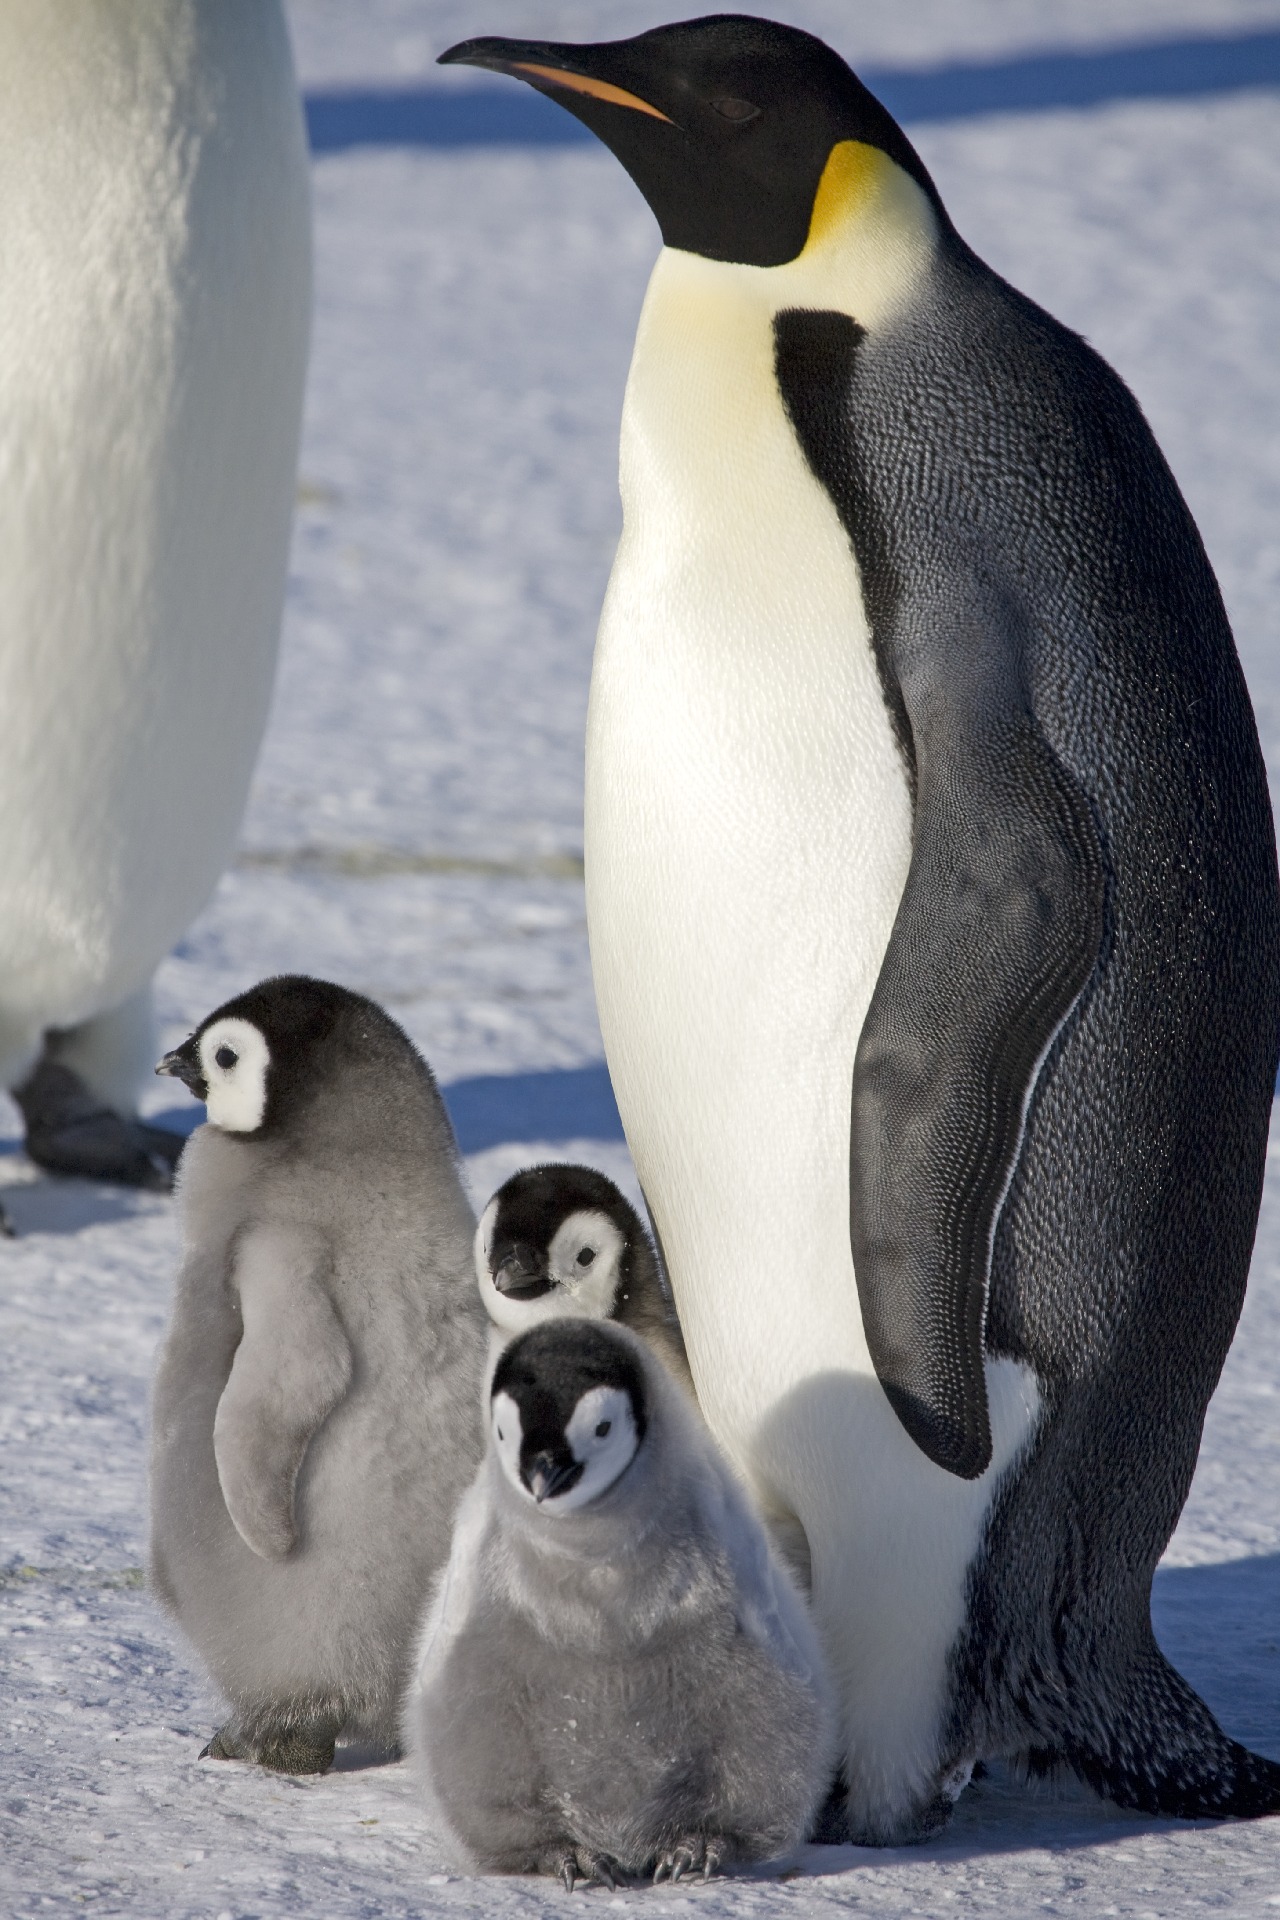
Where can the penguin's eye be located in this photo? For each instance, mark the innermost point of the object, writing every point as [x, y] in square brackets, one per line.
[226, 1058]
[738, 111]
[501, 1434]
[587, 1255]
[603, 1428]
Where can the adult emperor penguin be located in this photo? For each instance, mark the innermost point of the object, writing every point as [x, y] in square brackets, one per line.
[317, 1403]
[615, 1674]
[562, 1241]
[155, 310]
[933, 913]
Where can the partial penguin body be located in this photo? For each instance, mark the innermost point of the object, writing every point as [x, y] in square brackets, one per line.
[922, 787]
[155, 308]
[315, 1415]
[615, 1676]
[561, 1240]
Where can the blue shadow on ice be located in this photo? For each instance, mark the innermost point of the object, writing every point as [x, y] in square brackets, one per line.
[1220, 1625]
[505, 116]
[572, 1103]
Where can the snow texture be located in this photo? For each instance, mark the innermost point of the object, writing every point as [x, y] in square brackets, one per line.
[415, 831]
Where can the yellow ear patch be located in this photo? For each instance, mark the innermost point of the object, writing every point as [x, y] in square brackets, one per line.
[854, 176]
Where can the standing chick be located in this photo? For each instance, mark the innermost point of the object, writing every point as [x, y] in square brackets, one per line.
[315, 1407]
[615, 1676]
[562, 1240]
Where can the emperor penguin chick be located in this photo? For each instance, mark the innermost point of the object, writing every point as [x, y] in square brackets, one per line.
[562, 1240]
[314, 1421]
[615, 1675]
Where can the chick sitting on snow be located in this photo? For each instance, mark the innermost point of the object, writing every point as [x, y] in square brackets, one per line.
[615, 1675]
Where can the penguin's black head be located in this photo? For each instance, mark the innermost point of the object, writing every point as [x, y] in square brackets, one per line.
[555, 1240]
[726, 124]
[260, 1059]
[567, 1412]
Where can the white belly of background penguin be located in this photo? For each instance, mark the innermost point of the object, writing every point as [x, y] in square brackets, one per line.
[155, 310]
[953, 1151]
[316, 1413]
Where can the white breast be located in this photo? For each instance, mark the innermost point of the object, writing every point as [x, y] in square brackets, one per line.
[154, 309]
[748, 835]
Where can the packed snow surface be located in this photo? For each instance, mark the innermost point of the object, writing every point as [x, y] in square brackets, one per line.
[415, 831]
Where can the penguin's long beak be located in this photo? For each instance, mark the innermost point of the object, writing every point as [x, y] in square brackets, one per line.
[726, 124]
[549, 67]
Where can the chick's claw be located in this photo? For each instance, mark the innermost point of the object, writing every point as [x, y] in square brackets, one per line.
[592, 1869]
[688, 1856]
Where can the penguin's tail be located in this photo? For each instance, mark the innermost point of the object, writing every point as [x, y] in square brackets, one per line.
[1164, 1752]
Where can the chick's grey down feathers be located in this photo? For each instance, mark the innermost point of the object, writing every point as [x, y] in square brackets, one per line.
[315, 1415]
[600, 1689]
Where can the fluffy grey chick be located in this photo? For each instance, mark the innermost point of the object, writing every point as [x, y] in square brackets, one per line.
[615, 1675]
[316, 1406]
[562, 1240]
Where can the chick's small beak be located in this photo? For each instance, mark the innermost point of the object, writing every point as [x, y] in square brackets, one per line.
[520, 1274]
[545, 1475]
[182, 1067]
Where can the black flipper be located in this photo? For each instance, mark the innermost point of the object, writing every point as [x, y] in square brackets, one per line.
[998, 930]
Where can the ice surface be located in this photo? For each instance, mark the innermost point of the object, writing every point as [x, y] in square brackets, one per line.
[415, 831]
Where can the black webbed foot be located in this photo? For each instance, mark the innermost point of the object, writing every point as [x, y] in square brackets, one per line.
[299, 1750]
[71, 1131]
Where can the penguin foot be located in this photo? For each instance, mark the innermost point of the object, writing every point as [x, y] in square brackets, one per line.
[831, 1822]
[573, 1864]
[695, 1853]
[300, 1750]
[70, 1130]
[306, 1749]
[922, 1822]
[7, 1229]
[837, 1824]
[226, 1745]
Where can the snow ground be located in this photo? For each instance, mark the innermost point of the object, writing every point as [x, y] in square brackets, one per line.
[415, 831]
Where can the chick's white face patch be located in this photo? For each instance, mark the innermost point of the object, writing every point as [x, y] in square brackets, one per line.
[234, 1059]
[585, 1259]
[584, 1262]
[602, 1435]
[508, 1436]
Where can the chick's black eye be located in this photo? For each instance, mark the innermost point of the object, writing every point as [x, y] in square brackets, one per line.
[737, 110]
[226, 1058]
[603, 1428]
[587, 1255]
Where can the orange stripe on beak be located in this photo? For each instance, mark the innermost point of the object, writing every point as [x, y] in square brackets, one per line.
[598, 89]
